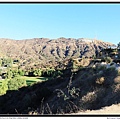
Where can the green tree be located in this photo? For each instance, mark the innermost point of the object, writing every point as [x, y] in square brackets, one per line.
[0, 62]
[0, 71]
[7, 62]
[26, 73]
[50, 72]
[37, 72]
[16, 83]
[57, 73]
[118, 45]
[9, 74]
[15, 73]
[108, 60]
[21, 72]
[3, 87]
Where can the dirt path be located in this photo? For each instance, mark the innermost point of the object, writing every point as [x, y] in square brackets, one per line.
[113, 110]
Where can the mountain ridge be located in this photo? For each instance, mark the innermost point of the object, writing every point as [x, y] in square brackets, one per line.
[43, 50]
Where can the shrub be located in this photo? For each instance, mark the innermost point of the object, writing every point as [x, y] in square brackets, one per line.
[89, 97]
[9, 74]
[101, 68]
[37, 72]
[3, 88]
[108, 60]
[70, 93]
[57, 73]
[100, 80]
[118, 72]
[111, 69]
[21, 72]
[116, 88]
[50, 72]
[16, 83]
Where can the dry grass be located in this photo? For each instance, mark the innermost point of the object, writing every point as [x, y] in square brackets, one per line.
[100, 80]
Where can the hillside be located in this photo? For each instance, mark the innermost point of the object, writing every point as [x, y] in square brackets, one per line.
[85, 89]
[75, 85]
[42, 51]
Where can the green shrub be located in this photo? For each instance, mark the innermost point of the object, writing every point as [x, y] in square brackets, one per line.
[3, 87]
[21, 72]
[101, 68]
[16, 83]
[108, 60]
[111, 69]
[50, 72]
[37, 72]
[9, 74]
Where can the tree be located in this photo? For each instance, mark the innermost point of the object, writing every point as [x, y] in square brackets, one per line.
[21, 72]
[16, 83]
[108, 60]
[9, 74]
[7, 62]
[50, 72]
[0, 62]
[15, 73]
[118, 45]
[37, 72]
[3, 87]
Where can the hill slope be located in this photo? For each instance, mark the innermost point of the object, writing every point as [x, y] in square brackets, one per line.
[35, 51]
[86, 89]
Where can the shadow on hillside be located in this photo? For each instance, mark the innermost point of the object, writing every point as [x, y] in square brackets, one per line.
[103, 93]
[29, 98]
[94, 93]
[98, 88]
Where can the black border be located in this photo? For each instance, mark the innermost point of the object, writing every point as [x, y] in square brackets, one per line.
[60, 2]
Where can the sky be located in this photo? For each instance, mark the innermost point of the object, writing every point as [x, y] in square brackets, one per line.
[27, 21]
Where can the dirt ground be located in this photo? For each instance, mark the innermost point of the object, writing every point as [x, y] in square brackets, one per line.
[108, 110]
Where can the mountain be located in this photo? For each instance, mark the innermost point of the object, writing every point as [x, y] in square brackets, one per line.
[43, 50]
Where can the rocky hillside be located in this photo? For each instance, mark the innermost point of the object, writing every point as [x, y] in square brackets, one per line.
[38, 50]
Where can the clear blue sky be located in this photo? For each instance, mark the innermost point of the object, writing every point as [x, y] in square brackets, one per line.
[24, 21]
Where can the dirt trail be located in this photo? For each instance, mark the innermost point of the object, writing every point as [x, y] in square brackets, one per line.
[110, 110]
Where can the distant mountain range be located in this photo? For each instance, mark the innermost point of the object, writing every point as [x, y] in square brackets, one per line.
[42, 50]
